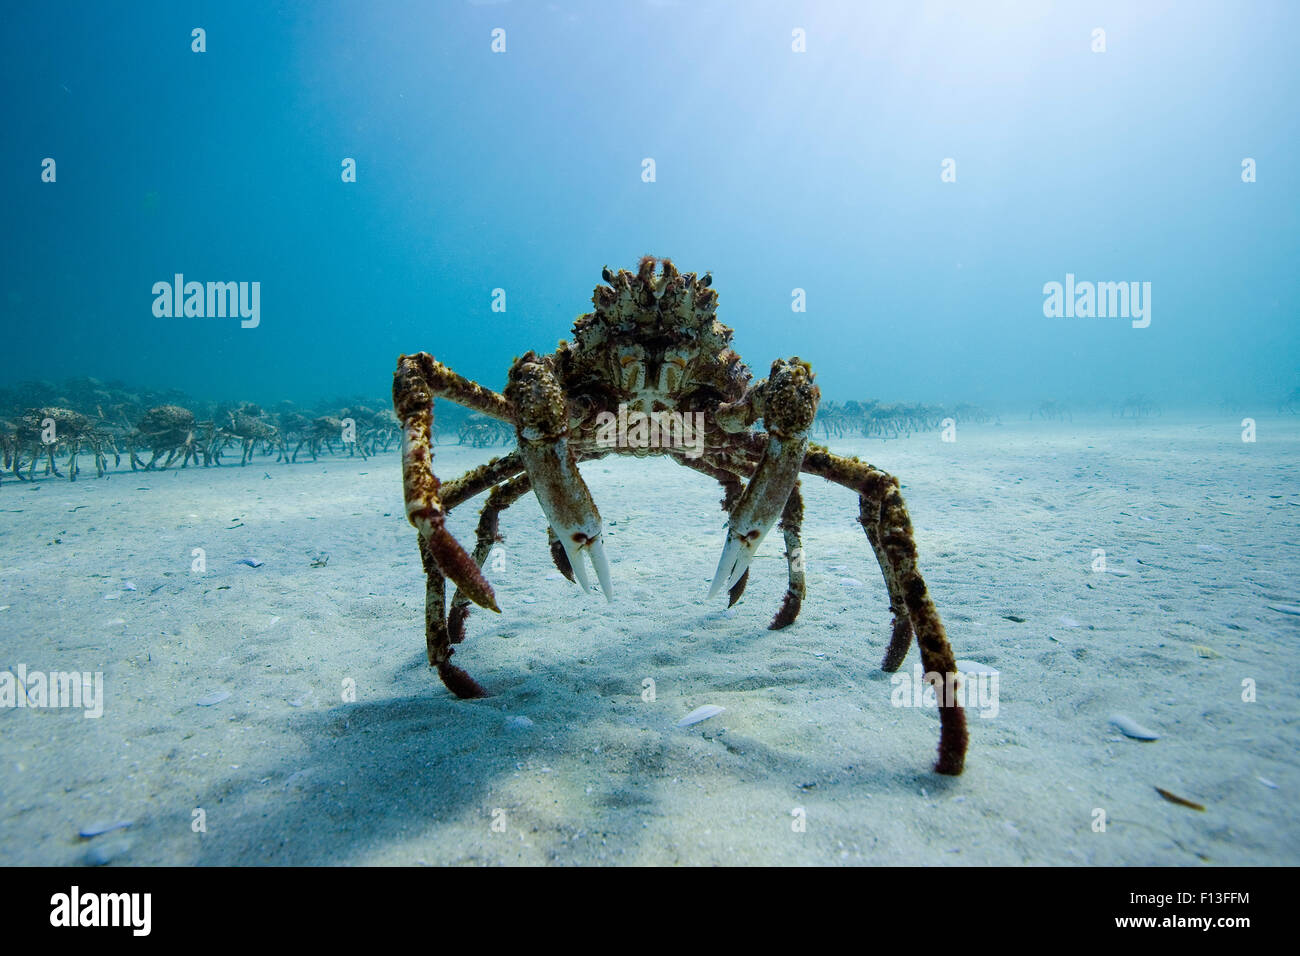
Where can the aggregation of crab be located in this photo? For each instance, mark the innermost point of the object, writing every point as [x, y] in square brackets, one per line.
[110, 422]
[654, 346]
[874, 419]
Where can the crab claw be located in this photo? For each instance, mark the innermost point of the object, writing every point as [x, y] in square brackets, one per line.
[758, 509]
[568, 506]
[574, 545]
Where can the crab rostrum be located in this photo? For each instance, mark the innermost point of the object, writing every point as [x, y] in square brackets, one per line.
[653, 353]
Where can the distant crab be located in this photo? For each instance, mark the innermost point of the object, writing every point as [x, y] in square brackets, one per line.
[170, 429]
[479, 431]
[46, 431]
[249, 424]
[318, 432]
[652, 346]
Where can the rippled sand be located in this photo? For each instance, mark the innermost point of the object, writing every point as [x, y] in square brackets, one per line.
[1199, 531]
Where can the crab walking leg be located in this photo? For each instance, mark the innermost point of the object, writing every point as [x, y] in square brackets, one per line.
[437, 638]
[900, 638]
[791, 522]
[552, 465]
[487, 534]
[413, 394]
[879, 495]
[787, 400]
[439, 631]
[822, 462]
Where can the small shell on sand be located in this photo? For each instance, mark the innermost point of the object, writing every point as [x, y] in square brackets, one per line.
[700, 713]
[251, 562]
[975, 667]
[102, 826]
[215, 697]
[1069, 621]
[1131, 728]
[850, 582]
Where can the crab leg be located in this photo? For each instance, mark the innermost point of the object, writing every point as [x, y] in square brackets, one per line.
[787, 400]
[552, 465]
[415, 383]
[441, 631]
[487, 534]
[888, 526]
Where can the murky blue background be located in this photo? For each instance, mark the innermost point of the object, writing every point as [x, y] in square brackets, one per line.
[775, 170]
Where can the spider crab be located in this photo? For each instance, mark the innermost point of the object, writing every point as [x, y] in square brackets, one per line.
[652, 346]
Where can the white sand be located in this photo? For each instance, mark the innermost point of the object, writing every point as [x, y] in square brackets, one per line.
[1204, 527]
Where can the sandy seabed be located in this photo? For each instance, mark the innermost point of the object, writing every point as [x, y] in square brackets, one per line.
[567, 763]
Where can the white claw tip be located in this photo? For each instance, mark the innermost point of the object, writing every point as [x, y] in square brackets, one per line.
[596, 548]
[736, 556]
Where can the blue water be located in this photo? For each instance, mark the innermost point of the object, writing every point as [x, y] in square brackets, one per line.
[774, 169]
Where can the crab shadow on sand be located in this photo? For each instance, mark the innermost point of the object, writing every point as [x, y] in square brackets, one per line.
[417, 778]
